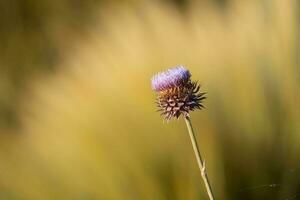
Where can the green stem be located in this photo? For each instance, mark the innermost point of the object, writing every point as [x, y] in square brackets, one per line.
[201, 164]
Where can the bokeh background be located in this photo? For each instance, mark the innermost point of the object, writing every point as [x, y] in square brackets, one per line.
[77, 114]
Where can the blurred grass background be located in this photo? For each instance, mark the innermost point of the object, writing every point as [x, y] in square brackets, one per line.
[77, 114]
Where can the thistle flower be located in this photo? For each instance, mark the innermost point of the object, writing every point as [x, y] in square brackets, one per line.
[176, 93]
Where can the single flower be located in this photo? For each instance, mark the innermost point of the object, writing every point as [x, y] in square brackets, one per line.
[176, 93]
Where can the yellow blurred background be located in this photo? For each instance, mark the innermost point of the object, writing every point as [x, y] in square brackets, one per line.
[77, 114]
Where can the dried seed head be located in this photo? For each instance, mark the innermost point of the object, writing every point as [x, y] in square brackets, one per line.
[176, 93]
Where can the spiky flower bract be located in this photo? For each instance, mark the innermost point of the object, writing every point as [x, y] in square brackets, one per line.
[176, 93]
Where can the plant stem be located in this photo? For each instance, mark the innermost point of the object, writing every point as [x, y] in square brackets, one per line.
[201, 164]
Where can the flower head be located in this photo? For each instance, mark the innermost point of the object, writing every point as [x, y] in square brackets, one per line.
[176, 93]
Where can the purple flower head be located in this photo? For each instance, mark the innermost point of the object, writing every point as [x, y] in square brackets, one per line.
[172, 77]
[176, 93]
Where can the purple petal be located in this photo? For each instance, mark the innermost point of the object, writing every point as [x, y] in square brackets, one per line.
[170, 78]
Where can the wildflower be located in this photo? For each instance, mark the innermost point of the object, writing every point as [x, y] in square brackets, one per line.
[176, 93]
